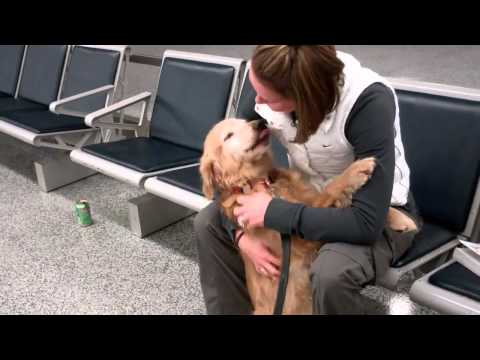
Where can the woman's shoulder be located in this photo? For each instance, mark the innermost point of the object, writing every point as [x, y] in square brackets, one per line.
[374, 97]
[374, 111]
[377, 91]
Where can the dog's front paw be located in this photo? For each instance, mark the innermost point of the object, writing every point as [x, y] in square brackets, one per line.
[344, 199]
[360, 172]
[353, 178]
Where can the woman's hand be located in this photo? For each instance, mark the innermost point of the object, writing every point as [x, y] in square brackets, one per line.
[251, 212]
[264, 261]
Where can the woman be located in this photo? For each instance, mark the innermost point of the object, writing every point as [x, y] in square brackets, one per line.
[328, 111]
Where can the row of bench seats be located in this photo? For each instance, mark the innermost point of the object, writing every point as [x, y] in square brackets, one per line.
[46, 91]
[440, 129]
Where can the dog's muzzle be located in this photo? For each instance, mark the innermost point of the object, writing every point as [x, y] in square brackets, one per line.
[260, 124]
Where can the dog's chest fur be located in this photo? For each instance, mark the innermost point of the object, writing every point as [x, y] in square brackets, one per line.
[289, 186]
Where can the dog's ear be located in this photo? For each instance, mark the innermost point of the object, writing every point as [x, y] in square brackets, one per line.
[209, 173]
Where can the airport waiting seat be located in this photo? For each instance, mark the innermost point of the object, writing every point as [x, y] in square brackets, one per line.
[194, 92]
[440, 129]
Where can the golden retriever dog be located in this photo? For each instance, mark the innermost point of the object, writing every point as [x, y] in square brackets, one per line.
[237, 159]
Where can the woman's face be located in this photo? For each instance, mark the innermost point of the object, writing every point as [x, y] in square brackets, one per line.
[269, 97]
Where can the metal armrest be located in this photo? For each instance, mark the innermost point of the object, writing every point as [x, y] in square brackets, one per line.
[54, 105]
[93, 119]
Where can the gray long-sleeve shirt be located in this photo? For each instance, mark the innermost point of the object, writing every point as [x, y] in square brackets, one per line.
[370, 130]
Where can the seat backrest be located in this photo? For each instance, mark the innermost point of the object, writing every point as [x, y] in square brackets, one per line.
[246, 100]
[42, 72]
[11, 57]
[246, 110]
[194, 92]
[441, 136]
[88, 68]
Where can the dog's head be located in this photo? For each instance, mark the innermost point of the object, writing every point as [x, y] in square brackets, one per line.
[234, 150]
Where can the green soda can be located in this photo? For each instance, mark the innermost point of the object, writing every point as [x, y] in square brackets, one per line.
[82, 213]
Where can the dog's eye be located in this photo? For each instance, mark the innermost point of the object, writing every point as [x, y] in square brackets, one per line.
[229, 135]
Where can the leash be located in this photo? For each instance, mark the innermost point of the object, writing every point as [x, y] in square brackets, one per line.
[286, 251]
[282, 284]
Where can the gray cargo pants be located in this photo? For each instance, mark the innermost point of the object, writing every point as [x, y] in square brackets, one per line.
[337, 275]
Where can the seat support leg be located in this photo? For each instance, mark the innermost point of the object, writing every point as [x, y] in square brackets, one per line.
[59, 171]
[149, 213]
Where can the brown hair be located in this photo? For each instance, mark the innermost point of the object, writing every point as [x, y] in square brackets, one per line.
[311, 75]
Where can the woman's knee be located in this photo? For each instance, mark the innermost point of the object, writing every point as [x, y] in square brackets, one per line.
[207, 217]
[209, 227]
[341, 267]
[326, 277]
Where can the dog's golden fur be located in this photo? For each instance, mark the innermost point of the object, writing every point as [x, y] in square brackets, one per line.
[237, 156]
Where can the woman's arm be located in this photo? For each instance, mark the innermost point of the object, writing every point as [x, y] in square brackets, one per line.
[370, 130]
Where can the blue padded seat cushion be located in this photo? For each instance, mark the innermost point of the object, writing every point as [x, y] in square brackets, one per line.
[430, 238]
[458, 279]
[10, 104]
[188, 179]
[144, 154]
[42, 122]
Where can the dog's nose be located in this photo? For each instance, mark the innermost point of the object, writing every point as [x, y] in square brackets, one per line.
[259, 124]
